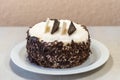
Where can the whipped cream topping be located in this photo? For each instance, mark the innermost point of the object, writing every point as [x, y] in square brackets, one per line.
[38, 30]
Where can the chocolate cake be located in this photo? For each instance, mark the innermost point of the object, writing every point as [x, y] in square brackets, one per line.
[58, 44]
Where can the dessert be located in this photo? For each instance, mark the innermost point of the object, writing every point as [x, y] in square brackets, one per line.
[58, 44]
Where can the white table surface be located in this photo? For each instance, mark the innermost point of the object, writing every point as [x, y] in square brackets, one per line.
[110, 36]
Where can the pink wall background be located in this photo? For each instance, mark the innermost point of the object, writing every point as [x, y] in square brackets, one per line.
[88, 12]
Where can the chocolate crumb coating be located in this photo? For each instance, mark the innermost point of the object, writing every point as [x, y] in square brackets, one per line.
[55, 54]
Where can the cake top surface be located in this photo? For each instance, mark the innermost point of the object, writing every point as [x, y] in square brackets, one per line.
[60, 30]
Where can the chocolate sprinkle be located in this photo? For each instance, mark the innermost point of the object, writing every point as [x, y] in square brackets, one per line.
[71, 28]
[55, 26]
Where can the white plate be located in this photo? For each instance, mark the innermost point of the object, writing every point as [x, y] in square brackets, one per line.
[99, 56]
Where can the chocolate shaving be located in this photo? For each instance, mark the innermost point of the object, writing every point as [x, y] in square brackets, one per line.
[55, 26]
[53, 19]
[71, 28]
[84, 27]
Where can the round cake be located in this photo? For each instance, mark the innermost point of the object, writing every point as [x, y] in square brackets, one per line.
[58, 44]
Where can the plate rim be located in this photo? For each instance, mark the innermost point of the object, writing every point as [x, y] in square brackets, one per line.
[93, 66]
